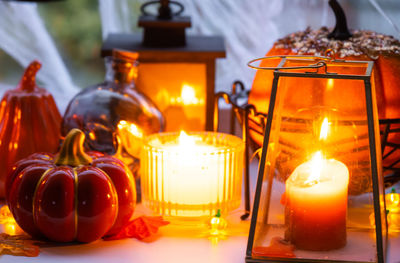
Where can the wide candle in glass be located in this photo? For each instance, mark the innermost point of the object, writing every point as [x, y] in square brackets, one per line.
[316, 204]
[192, 175]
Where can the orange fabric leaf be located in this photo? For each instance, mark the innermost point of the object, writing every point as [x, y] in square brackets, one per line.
[18, 245]
[140, 228]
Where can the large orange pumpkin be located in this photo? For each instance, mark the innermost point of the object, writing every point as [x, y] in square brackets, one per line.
[363, 45]
[29, 123]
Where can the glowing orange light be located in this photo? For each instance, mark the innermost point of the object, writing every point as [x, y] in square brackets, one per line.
[330, 83]
[188, 95]
[185, 140]
[131, 128]
[324, 129]
[7, 220]
[131, 137]
[92, 136]
[218, 225]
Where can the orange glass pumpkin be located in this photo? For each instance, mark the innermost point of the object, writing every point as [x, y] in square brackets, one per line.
[29, 123]
[363, 45]
[72, 196]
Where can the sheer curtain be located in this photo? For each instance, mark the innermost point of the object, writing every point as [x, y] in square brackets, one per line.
[251, 27]
[24, 37]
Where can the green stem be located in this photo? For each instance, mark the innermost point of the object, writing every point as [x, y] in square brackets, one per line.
[72, 152]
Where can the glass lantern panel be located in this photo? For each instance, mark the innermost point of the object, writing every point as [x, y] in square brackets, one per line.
[316, 199]
[178, 90]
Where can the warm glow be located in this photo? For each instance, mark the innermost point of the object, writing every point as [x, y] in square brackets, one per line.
[394, 198]
[186, 175]
[316, 192]
[329, 85]
[316, 168]
[324, 129]
[131, 137]
[185, 140]
[7, 220]
[393, 201]
[131, 128]
[188, 95]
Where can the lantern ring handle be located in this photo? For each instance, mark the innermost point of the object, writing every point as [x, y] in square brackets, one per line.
[317, 65]
[176, 13]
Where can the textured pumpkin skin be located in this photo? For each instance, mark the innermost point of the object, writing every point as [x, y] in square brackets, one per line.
[29, 122]
[386, 79]
[67, 204]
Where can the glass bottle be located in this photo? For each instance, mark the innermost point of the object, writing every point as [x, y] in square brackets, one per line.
[114, 115]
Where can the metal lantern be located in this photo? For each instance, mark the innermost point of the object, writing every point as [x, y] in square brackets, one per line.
[314, 145]
[176, 71]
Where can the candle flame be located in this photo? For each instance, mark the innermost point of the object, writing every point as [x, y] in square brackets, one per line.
[324, 129]
[188, 95]
[316, 168]
[185, 140]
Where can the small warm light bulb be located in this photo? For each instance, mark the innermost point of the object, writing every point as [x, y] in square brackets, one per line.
[217, 224]
[393, 201]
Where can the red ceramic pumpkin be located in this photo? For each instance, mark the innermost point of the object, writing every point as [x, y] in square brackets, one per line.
[29, 123]
[72, 196]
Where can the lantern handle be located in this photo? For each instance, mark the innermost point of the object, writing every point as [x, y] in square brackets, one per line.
[317, 65]
[164, 11]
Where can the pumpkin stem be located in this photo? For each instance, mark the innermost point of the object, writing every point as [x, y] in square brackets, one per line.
[72, 152]
[341, 32]
[28, 80]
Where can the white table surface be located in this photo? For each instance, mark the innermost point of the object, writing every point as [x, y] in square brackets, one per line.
[171, 245]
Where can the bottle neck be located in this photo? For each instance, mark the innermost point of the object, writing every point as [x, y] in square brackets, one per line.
[121, 71]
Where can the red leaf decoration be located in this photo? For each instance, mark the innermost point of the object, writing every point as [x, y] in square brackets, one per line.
[141, 228]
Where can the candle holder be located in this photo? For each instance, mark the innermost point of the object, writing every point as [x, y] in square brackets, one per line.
[312, 150]
[190, 176]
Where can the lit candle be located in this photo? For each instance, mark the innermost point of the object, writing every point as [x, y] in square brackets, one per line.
[316, 204]
[192, 175]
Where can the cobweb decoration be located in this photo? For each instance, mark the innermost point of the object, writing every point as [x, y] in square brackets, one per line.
[24, 37]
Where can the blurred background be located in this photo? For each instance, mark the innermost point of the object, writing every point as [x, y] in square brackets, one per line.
[67, 35]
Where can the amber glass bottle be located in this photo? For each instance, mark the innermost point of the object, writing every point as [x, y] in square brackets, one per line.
[114, 115]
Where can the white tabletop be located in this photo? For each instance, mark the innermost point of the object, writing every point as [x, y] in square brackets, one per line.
[173, 244]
